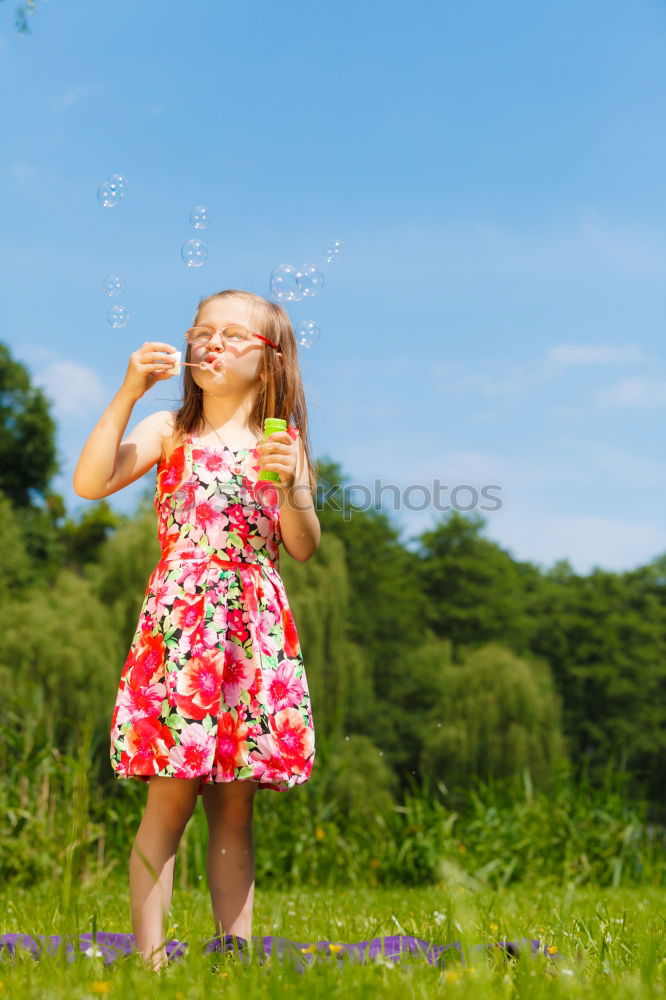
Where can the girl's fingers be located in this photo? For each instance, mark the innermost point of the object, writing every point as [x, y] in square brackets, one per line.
[158, 344]
[158, 355]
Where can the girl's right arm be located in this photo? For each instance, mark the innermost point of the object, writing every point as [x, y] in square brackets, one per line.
[105, 465]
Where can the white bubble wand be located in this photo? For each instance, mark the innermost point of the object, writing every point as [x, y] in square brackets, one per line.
[205, 366]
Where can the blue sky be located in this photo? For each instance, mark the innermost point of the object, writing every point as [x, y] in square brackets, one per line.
[495, 173]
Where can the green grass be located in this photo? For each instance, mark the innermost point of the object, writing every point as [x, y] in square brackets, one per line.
[606, 942]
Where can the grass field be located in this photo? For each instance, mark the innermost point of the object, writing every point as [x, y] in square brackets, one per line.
[600, 943]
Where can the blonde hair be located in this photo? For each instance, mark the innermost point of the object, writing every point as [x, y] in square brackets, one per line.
[281, 388]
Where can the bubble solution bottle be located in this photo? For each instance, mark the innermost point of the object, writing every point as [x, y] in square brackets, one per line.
[272, 424]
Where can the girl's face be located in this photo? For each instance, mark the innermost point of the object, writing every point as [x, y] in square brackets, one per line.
[241, 359]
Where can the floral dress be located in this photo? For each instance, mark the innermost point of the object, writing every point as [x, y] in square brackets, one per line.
[214, 685]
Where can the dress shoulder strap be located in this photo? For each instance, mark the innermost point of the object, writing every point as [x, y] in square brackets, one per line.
[189, 442]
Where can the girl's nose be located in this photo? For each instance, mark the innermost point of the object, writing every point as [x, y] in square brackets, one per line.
[216, 339]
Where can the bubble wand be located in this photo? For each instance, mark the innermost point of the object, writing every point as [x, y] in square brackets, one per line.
[205, 366]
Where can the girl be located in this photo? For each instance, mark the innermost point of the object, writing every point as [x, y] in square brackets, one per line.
[213, 699]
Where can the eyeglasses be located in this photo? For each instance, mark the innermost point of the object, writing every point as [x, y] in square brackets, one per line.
[199, 336]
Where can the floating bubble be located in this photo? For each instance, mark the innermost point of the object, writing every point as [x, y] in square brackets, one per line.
[118, 316]
[307, 333]
[284, 283]
[333, 251]
[119, 183]
[194, 253]
[108, 194]
[114, 286]
[310, 280]
[200, 217]
[300, 277]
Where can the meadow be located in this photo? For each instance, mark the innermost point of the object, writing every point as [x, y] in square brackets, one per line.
[592, 893]
[597, 942]
[490, 758]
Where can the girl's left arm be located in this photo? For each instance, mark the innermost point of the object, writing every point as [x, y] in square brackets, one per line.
[299, 524]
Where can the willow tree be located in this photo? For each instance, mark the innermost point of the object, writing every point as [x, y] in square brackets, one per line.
[494, 714]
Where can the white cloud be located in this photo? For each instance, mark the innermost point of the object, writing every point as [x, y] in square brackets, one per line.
[532, 521]
[637, 391]
[586, 540]
[501, 378]
[73, 95]
[74, 389]
[23, 175]
[628, 248]
[595, 354]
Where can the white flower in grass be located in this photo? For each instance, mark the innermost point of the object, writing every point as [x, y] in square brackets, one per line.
[94, 952]
[383, 960]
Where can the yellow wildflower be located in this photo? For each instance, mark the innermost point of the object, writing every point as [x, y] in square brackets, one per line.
[99, 986]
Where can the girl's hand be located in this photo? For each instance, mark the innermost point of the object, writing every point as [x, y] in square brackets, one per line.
[279, 453]
[148, 365]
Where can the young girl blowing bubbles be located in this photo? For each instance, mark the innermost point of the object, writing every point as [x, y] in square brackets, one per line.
[213, 699]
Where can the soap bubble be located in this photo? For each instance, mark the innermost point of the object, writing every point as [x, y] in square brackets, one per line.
[118, 182]
[310, 280]
[114, 286]
[284, 283]
[307, 333]
[112, 190]
[200, 217]
[118, 316]
[194, 253]
[108, 195]
[333, 251]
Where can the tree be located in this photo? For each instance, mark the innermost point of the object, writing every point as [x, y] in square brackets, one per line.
[476, 591]
[21, 15]
[493, 714]
[27, 435]
[604, 637]
[83, 539]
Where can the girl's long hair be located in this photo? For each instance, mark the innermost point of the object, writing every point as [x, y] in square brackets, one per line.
[281, 388]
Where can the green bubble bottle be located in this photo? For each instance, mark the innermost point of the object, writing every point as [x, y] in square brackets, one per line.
[272, 424]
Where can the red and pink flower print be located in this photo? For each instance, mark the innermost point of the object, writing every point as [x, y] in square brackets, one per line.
[214, 684]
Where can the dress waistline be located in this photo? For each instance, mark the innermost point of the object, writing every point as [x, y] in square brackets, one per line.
[213, 557]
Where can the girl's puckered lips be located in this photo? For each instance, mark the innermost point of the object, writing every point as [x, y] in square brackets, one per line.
[213, 359]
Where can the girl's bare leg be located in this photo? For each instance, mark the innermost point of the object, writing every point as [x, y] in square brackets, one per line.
[230, 859]
[169, 806]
